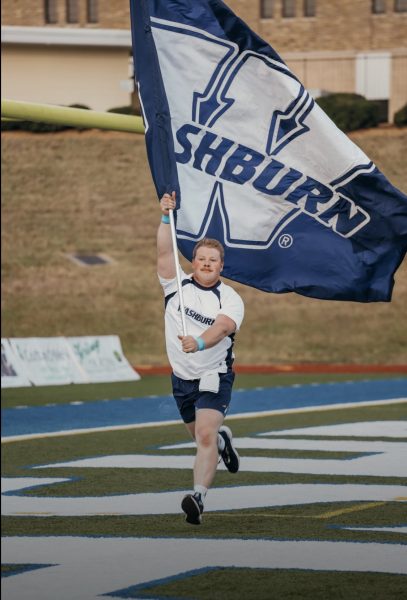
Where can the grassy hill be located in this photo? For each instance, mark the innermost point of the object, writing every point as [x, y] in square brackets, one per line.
[91, 192]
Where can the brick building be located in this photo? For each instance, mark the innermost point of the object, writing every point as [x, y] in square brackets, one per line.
[66, 51]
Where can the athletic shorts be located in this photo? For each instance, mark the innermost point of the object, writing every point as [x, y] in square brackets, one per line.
[189, 398]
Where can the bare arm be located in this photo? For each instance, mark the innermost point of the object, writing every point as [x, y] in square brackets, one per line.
[165, 253]
[222, 327]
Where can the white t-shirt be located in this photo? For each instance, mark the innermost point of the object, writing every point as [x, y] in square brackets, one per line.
[202, 306]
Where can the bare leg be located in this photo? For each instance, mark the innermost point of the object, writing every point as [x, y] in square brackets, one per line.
[191, 428]
[207, 426]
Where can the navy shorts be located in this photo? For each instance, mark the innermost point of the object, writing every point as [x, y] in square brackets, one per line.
[189, 398]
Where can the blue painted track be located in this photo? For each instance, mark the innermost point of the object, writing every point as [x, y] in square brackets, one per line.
[127, 411]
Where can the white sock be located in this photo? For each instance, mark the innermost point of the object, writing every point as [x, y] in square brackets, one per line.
[200, 489]
[221, 443]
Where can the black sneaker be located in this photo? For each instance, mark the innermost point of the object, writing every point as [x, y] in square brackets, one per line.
[192, 506]
[229, 455]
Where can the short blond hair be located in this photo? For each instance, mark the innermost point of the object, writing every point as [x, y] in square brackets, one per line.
[209, 243]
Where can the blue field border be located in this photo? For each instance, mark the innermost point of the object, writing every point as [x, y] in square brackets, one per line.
[159, 409]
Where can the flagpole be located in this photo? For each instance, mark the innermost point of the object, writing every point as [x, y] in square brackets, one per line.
[177, 270]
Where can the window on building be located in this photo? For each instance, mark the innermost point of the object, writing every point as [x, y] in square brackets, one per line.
[288, 8]
[50, 11]
[92, 15]
[309, 8]
[266, 9]
[72, 11]
[400, 5]
[378, 7]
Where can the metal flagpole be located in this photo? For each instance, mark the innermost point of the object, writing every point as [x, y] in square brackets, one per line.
[177, 270]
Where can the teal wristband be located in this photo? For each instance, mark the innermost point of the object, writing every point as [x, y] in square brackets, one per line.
[200, 342]
[165, 219]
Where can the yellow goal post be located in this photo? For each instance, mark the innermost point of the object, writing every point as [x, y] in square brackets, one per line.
[66, 115]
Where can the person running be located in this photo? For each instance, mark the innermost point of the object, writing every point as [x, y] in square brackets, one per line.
[202, 376]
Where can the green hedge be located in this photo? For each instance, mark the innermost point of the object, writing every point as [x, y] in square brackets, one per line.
[350, 111]
[124, 110]
[400, 118]
[39, 127]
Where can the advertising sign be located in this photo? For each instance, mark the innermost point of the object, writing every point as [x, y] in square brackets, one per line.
[102, 358]
[12, 370]
[48, 361]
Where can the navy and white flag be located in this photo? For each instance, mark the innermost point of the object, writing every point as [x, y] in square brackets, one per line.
[256, 163]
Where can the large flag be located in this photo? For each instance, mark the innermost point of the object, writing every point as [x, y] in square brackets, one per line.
[256, 163]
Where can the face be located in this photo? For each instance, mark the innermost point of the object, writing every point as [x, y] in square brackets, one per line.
[207, 266]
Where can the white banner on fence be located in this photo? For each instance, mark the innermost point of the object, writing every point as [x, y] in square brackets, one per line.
[102, 359]
[61, 361]
[12, 369]
[48, 361]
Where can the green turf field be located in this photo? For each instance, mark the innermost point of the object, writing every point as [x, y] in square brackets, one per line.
[298, 521]
[264, 585]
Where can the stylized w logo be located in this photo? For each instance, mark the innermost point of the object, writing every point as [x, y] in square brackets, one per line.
[240, 156]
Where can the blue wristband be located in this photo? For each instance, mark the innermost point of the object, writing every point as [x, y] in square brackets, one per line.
[165, 219]
[200, 342]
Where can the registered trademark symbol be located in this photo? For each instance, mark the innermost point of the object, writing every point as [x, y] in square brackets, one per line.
[285, 240]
